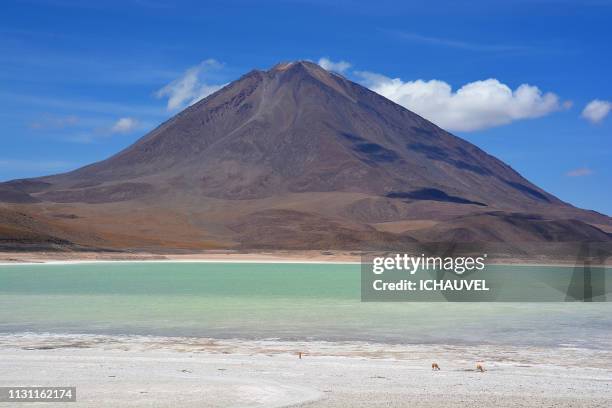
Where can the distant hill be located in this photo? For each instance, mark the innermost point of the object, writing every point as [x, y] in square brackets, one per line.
[291, 158]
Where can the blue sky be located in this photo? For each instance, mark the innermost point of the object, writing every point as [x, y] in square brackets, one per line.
[81, 79]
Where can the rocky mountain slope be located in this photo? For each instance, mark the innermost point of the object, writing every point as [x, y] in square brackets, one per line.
[294, 157]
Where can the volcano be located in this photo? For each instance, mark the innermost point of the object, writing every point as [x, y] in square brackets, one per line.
[294, 157]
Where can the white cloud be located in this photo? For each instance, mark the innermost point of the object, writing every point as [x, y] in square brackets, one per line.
[339, 66]
[191, 86]
[596, 110]
[580, 172]
[476, 105]
[124, 125]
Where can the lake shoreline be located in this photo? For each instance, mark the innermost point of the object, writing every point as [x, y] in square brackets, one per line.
[300, 257]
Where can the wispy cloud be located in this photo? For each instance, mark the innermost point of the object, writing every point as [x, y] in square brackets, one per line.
[336, 66]
[125, 125]
[579, 172]
[54, 122]
[83, 105]
[35, 165]
[40, 65]
[474, 106]
[453, 43]
[596, 110]
[191, 86]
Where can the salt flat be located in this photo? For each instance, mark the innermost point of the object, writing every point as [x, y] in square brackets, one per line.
[141, 371]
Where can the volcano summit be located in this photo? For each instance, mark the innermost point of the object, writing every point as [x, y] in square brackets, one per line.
[294, 157]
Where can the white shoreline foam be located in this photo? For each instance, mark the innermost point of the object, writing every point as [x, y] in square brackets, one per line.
[239, 261]
[222, 261]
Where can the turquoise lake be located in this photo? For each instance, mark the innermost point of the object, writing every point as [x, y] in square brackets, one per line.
[272, 301]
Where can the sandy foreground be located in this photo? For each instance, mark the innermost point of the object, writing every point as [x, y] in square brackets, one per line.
[144, 371]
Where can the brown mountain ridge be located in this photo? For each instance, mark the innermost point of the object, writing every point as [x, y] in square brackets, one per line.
[294, 157]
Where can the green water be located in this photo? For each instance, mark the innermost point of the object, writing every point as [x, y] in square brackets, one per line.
[284, 301]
